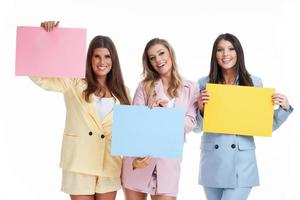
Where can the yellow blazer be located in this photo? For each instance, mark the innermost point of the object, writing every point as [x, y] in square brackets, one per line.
[86, 146]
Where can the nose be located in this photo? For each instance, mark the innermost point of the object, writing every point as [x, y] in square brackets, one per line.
[102, 61]
[225, 52]
[157, 59]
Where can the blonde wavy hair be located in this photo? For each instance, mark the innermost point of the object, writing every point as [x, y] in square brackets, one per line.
[150, 75]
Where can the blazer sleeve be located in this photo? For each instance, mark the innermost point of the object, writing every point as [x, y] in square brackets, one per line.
[190, 117]
[280, 115]
[53, 84]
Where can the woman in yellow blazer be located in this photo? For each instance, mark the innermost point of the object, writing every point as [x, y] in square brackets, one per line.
[90, 172]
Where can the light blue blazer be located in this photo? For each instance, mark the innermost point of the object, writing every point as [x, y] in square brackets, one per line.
[228, 161]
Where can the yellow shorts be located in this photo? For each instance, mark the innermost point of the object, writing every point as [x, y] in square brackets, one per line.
[83, 184]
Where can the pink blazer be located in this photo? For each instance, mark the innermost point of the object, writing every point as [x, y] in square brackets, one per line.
[168, 171]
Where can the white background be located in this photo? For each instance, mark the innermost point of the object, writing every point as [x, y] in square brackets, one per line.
[32, 120]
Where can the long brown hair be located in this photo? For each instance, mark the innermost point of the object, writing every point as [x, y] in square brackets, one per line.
[114, 78]
[215, 74]
[150, 75]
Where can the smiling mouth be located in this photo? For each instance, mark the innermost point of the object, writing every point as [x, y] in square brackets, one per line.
[161, 65]
[101, 67]
[226, 61]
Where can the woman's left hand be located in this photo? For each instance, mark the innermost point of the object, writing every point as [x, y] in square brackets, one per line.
[281, 100]
[140, 162]
[159, 103]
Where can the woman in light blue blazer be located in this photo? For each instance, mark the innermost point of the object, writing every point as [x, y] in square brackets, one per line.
[228, 167]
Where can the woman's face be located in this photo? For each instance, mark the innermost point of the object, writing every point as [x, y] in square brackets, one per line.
[226, 55]
[160, 59]
[101, 62]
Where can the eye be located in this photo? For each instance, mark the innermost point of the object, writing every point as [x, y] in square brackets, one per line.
[219, 49]
[232, 49]
[151, 58]
[161, 53]
[107, 56]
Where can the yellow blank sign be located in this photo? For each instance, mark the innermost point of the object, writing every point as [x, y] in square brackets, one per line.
[240, 110]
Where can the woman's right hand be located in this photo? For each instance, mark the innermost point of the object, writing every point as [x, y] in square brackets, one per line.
[203, 99]
[49, 25]
[141, 162]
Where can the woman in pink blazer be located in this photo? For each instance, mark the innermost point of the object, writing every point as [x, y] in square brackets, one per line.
[162, 86]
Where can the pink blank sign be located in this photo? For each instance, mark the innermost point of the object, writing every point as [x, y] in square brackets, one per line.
[59, 53]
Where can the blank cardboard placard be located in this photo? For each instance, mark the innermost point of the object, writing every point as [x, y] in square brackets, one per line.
[239, 110]
[141, 131]
[59, 53]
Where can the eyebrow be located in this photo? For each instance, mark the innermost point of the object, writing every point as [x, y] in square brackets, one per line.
[159, 50]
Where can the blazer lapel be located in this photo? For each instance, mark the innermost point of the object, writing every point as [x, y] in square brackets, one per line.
[92, 110]
[159, 90]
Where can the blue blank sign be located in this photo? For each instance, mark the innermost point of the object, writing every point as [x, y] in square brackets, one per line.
[141, 131]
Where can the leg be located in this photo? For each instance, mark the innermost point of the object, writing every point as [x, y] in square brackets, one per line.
[213, 193]
[236, 193]
[82, 197]
[106, 196]
[162, 197]
[134, 195]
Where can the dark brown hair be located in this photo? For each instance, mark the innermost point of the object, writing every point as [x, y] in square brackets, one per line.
[215, 74]
[114, 79]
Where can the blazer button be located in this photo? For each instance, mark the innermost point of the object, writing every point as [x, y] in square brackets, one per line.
[102, 136]
[90, 133]
[233, 146]
[216, 146]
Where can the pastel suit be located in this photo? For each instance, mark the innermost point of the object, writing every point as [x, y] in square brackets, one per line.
[86, 146]
[229, 161]
[168, 170]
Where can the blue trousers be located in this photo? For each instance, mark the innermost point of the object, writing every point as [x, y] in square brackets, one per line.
[226, 193]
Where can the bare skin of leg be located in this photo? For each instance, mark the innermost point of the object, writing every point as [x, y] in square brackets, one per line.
[82, 197]
[160, 197]
[106, 196]
[134, 195]
[97, 196]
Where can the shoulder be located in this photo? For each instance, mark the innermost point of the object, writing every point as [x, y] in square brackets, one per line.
[140, 85]
[202, 82]
[140, 88]
[78, 83]
[189, 83]
[256, 81]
